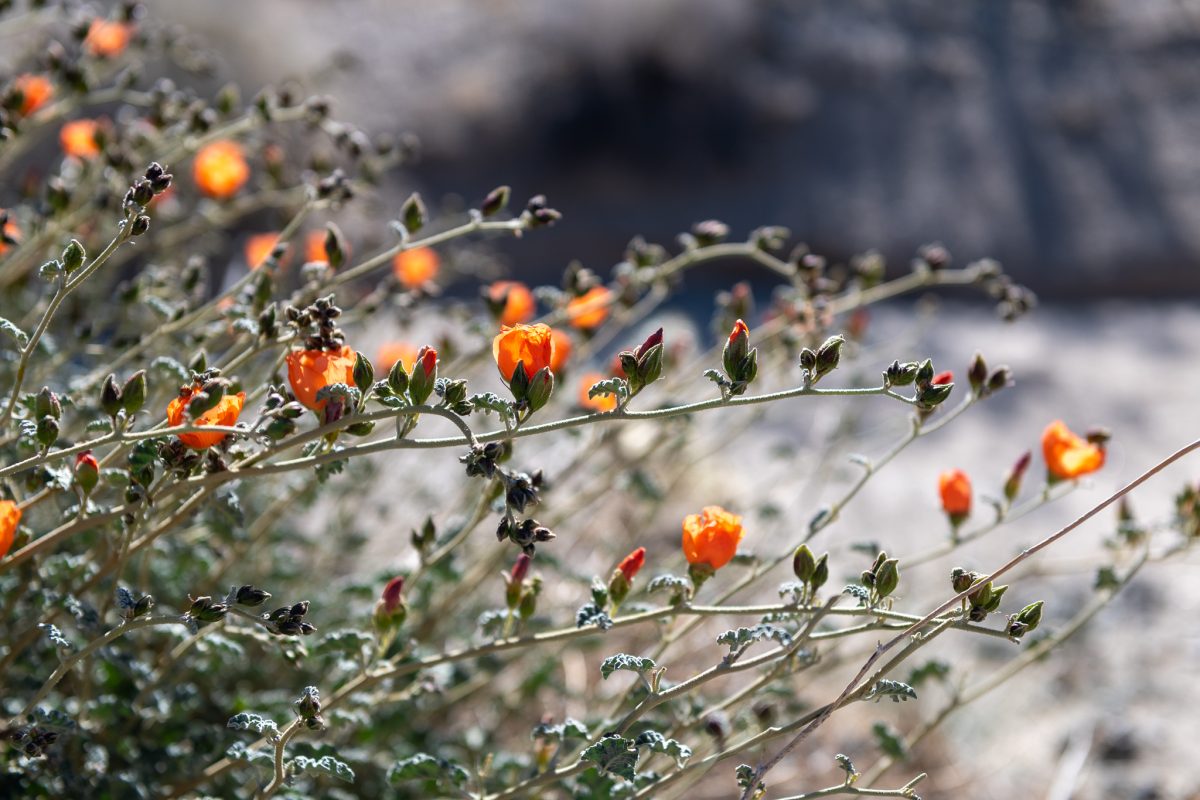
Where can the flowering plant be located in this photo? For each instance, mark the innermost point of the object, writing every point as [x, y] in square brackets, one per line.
[238, 556]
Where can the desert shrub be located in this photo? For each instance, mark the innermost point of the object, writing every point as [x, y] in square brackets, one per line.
[241, 557]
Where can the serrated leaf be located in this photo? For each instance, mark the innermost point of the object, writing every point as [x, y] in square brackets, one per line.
[658, 743]
[490, 403]
[249, 721]
[894, 689]
[239, 751]
[614, 387]
[674, 583]
[860, 593]
[624, 661]
[741, 638]
[55, 635]
[569, 728]
[325, 765]
[11, 328]
[615, 755]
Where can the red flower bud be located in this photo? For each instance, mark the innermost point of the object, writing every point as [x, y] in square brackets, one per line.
[739, 329]
[86, 459]
[942, 378]
[653, 339]
[427, 357]
[520, 569]
[392, 593]
[633, 562]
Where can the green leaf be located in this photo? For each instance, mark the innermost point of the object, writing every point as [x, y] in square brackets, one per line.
[889, 741]
[615, 755]
[569, 728]
[248, 721]
[425, 767]
[741, 638]
[673, 583]
[11, 328]
[615, 387]
[658, 743]
[592, 614]
[627, 662]
[347, 641]
[894, 689]
[325, 765]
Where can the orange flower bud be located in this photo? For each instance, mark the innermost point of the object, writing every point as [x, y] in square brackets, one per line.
[259, 246]
[10, 515]
[224, 413]
[36, 90]
[391, 352]
[955, 489]
[739, 329]
[633, 562]
[711, 537]
[519, 305]
[78, 138]
[942, 378]
[603, 402]
[562, 349]
[11, 231]
[531, 345]
[220, 169]
[107, 38]
[590, 309]
[310, 371]
[1067, 455]
[415, 267]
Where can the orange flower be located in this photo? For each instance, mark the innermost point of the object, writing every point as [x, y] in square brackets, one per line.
[107, 38]
[10, 515]
[415, 267]
[531, 345]
[1067, 455]
[220, 169]
[633, 562]
[78, 138]
[259, 246]
[603, 402]
[519, 306]
[562, 350]
[954, 486]
[310, 371]
[391, 352]
[590, 309]
[11, 231]
[225, 413]
[314, 247]
[711, 537]
[35, 91]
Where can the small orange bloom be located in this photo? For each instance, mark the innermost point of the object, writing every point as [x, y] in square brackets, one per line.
[711, 537]
[518, 307]
[107, 38]
[633, 562]
[531, 345]
[415, 267]
[220, 169]
[10, 515]
[78, 138]
[954, 486]
[1067, 455]
[603, 402]
[224, 413]
[590, 309]
[391, 352]
[259, 246]
[12, 232]
[310, 371]
[562, 350]
[36, 90]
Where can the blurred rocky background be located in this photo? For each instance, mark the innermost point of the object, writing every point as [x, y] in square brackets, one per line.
[1061, 138]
